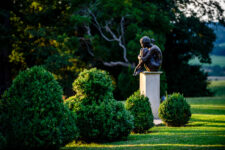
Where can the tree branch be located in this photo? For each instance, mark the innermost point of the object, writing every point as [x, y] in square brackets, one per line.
[88, 48]
[88, 29]
[122, 29]
[99, 27]
[114, 38]
[118, 39]
[118, 63]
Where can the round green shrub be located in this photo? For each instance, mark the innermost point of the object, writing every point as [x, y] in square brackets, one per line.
[94, 84]
[107, 121]
[99, 116]
[140, 108]
[32, 113]
[175, 111]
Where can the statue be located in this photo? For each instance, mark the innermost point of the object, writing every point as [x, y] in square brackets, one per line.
[150, 56]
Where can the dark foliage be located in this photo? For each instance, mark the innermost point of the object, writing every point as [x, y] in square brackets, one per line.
[188, 76]
[2, 141]
[5, 42]
[127, 83]
[66, 38]
[184, 42]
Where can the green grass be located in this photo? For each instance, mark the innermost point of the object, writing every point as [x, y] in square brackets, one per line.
[217, 87]
[206, 130]
[216, 60]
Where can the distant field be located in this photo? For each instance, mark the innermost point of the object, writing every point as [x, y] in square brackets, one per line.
[216, 60]
[207, 105]
[213, 78]
[217, 87]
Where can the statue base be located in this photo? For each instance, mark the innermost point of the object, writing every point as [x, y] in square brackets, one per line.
[150, 87]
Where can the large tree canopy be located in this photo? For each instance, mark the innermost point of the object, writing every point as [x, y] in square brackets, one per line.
[43, 34]
[68, 35]
[190, 37]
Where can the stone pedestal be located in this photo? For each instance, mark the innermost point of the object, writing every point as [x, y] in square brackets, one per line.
[150, 87]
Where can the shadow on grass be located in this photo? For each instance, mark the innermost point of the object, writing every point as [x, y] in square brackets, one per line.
[195, 125]
[206, 121]
[207, 111]
[206, 125]
[149, 146]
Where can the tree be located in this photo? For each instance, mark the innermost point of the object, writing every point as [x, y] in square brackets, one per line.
[181, 37]
[113, 33]
[185, 42]
[44, 35]
[69, 35]
[191, 37]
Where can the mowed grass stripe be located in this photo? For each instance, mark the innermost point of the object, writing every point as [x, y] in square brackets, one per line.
[208, 106]
[220, 100]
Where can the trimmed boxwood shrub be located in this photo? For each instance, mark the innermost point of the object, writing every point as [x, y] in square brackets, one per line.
[99, 116]
[175, 111]
[94, 84]
[33, 115]
[106, 121]
[140, 108]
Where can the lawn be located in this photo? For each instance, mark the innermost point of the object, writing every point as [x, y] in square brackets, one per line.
[205, 130]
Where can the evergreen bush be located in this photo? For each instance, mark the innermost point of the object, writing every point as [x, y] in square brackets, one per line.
[94, 84]
[106, 121]
[32, 113]
[175, 111]
[99, 116]
[140, 108]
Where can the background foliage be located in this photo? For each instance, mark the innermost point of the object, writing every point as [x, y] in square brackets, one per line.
[67, 36]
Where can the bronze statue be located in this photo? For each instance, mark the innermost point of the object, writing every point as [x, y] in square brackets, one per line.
[150, 56]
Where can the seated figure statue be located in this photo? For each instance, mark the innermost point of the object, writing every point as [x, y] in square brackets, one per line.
[150, 56]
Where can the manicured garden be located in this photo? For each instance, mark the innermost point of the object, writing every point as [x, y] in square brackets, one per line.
[33, 115]
[68, 78]
[205, 130]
